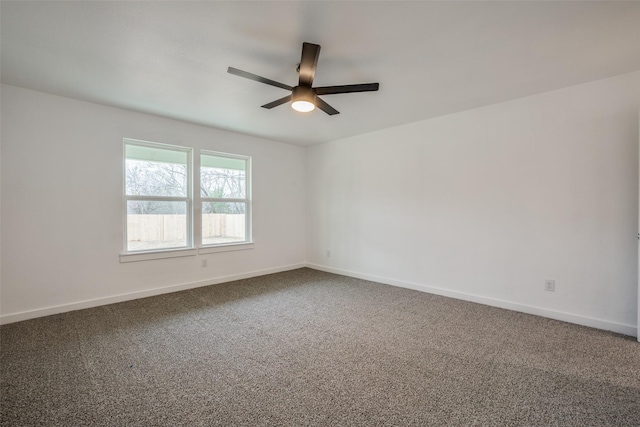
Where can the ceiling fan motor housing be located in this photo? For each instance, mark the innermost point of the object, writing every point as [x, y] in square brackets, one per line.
[303, 93]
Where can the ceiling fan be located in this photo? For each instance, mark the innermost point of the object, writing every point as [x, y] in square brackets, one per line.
[304, 96]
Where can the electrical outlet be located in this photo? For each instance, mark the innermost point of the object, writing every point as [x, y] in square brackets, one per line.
[204, 262]
[550, 285]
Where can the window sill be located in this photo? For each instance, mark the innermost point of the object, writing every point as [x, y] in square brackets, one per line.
[176, 253]
[144, 256]
[225, 248]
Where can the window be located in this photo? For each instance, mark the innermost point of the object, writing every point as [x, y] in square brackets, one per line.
[158, 201]
[159, 198]
[224, 192]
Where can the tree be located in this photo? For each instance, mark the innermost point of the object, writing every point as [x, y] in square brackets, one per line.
[146, 178]
[218, 183]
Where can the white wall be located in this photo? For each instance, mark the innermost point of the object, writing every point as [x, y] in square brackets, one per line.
[62, 205]
[486, 204]
[482, 205]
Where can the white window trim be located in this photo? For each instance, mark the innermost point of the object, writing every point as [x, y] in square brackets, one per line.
[228, 247]
[224, 247]
[194, 208]
[158, 254]
[126, 254]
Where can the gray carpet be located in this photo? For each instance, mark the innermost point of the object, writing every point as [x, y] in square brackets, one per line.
[310, 348]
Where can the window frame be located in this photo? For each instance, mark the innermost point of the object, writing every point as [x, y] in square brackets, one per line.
[189, 244]
[248, 236]
[193, 201]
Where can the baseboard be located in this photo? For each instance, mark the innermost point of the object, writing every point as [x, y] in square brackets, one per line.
[630, 330]
[620, 328]
[32, 314]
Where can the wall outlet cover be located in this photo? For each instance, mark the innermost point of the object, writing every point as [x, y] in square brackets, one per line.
[550, 285]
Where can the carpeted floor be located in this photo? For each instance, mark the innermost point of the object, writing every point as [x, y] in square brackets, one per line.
[310, 348]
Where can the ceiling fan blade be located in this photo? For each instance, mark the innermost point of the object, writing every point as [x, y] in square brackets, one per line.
[326, 107]
[308, 63]
[278, 102]
[330, 90]
[257, 78]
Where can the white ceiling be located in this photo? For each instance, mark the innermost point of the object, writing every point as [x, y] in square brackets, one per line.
[431, 58]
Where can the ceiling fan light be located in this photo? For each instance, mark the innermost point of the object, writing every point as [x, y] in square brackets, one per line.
[303, 106]
[304, 99]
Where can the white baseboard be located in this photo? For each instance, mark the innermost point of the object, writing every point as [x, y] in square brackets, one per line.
[620, 328]
[47, 311]
[630, 330]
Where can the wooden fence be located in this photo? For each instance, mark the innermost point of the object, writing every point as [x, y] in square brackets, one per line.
[147, 228]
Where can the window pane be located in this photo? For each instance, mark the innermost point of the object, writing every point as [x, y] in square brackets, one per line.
[156, 225]
[147, 178]
[223, 222]
[222, 177]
